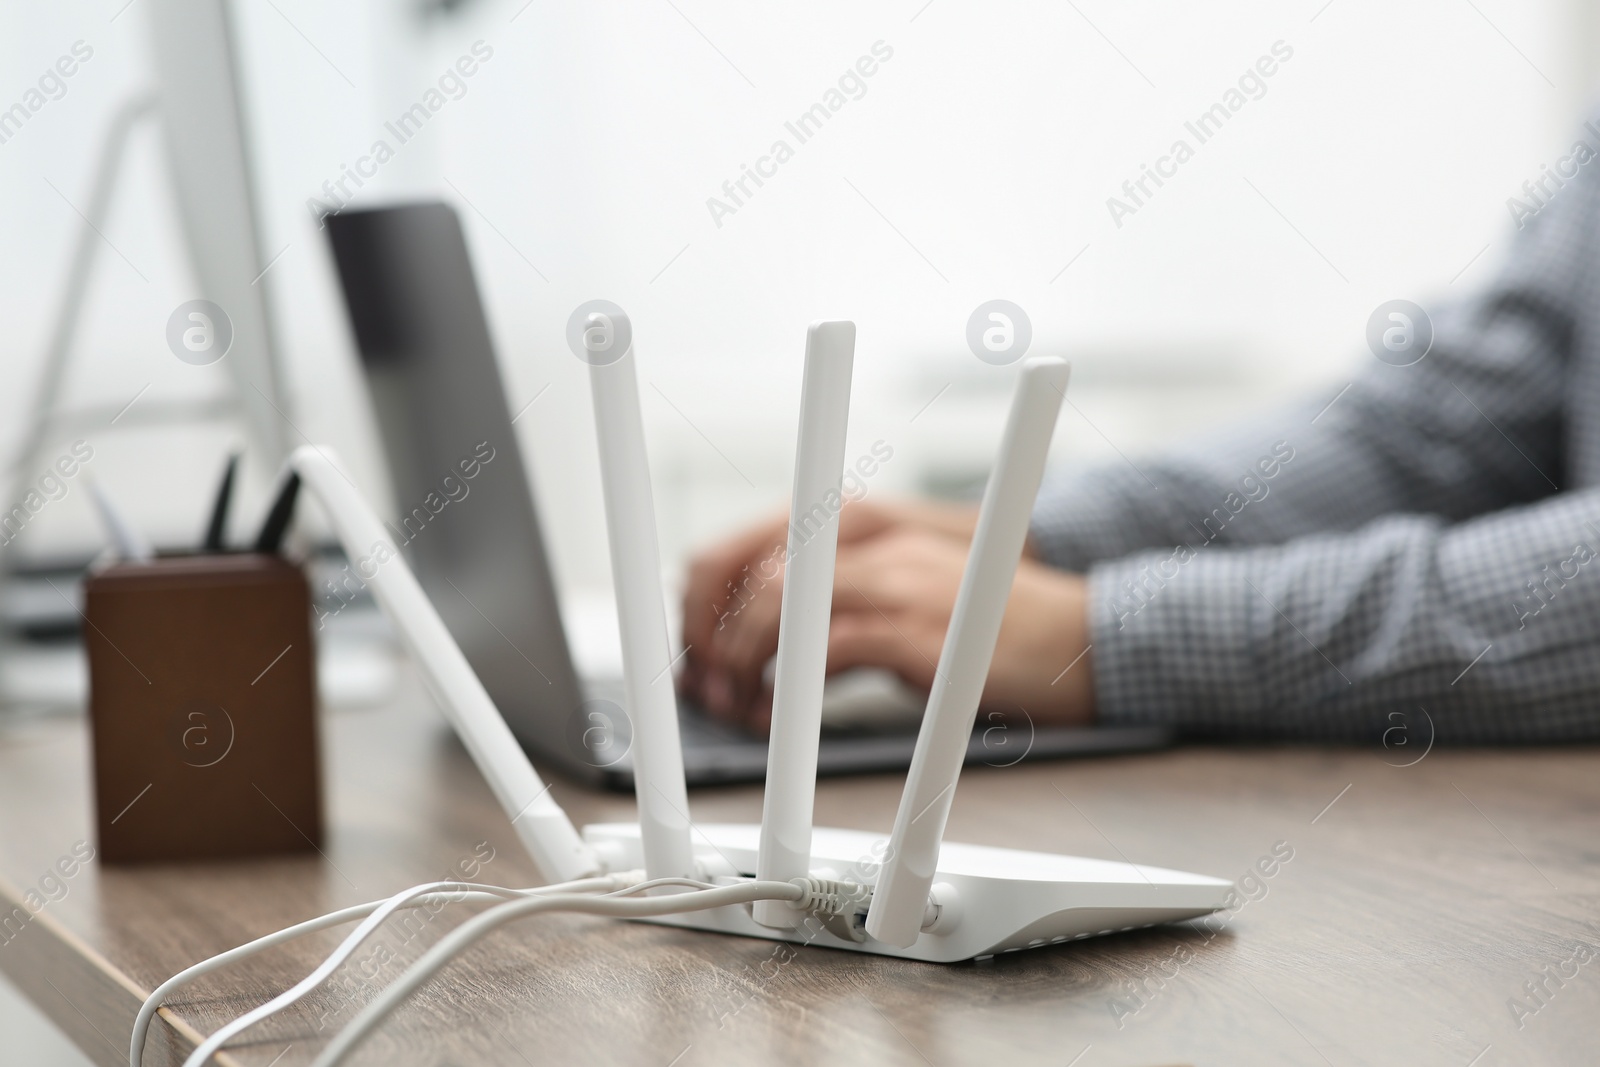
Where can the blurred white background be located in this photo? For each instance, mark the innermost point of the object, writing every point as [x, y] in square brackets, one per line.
[976, 165]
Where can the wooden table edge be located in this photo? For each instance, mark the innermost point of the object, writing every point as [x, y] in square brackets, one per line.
[29, 961]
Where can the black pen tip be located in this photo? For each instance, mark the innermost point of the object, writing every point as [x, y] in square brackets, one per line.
[216, 529]
[277, 523]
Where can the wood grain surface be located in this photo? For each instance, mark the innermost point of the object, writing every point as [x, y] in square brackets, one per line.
[1417, 903]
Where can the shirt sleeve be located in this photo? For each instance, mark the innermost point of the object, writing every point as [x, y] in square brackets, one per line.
[1401, 550]
[1476, 424]
[1487, 631]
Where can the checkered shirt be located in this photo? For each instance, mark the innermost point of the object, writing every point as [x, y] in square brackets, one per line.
[1424, 550]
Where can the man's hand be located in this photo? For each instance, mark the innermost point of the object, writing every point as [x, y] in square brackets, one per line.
[894, 588]
[731, 602]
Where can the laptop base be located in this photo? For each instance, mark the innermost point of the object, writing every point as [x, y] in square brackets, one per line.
[728, 757]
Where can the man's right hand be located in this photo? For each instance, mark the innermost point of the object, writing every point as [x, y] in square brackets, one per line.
[735, 590]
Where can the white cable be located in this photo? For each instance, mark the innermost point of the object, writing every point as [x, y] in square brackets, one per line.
[346, 948]
[152, 1004]
[802, 892]
[416, 896]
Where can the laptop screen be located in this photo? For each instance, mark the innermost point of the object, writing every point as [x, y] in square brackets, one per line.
[466, 519]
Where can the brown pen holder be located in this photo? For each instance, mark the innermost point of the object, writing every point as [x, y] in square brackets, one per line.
[202, 697]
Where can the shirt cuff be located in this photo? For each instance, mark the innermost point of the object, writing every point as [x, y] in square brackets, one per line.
[1173, 641]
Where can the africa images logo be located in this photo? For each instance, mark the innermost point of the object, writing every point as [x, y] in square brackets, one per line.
[199, 332]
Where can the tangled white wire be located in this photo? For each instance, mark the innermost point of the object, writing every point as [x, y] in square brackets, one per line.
[606, 895]
[463, 936]
[417, 896]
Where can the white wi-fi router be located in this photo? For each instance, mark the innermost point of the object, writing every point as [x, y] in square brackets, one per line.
[928, 900]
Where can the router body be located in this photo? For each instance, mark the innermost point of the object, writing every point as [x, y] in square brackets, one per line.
[920, 898]
[994, 899]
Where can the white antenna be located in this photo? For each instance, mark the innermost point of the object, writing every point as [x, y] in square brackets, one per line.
[785, 848]
[539, 821]
[900, 898]
[641, 607]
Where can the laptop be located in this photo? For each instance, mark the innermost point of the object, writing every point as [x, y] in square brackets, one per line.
[469, 527]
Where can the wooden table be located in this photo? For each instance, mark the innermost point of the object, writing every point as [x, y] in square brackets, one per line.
[1417, 903]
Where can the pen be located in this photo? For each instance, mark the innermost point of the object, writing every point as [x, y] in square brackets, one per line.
[130, 544]
[277, 523]
[219, 510]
